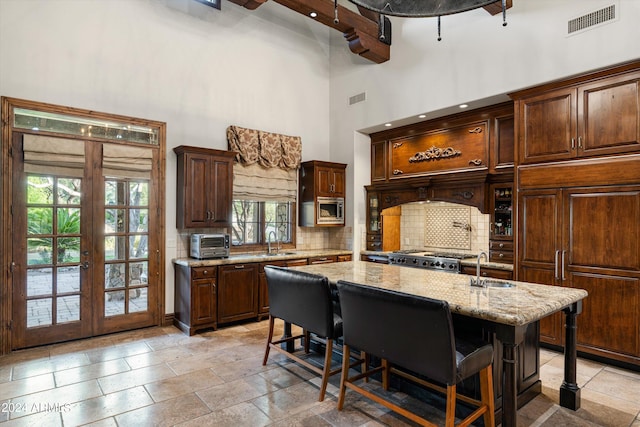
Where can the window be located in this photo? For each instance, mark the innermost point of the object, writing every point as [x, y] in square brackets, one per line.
[256, 223]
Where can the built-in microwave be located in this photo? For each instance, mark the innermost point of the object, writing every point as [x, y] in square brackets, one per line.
[204, 246]
[330, 210]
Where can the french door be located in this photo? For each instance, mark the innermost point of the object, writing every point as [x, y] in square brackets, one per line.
[85, 242]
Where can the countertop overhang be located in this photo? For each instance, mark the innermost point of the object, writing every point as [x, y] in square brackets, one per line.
[519, 305]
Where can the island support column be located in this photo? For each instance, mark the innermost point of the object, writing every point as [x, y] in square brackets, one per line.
[511, 337]
[569, 390]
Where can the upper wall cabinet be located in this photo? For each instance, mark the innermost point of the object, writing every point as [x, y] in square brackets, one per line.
[594, 116]
[322, 179]
[205, 187]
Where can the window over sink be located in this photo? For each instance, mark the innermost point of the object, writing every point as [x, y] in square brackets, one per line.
[255, 223]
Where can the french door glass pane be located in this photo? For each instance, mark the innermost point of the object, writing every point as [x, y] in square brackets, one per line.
[126, 246]
[53, 236]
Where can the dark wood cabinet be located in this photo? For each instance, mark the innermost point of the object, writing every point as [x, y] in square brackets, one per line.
[195, 298]
[205, 187]
[379, 161]
[595, 117]
[374, 221]
[587, 238]
[237, 292]
[344, 258]
[322, 259]
[502, 144]
[322, 179]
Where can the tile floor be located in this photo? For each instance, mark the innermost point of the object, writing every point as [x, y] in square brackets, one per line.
[161, 377]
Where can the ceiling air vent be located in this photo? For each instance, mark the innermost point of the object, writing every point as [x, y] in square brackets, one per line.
[357, 98]
[592, 19]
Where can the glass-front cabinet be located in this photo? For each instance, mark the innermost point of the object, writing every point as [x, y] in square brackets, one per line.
[374, 222]
[501, 227]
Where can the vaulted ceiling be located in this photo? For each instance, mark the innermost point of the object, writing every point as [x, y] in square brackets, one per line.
[365, 33]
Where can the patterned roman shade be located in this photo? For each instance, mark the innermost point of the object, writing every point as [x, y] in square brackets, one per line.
[266, 166]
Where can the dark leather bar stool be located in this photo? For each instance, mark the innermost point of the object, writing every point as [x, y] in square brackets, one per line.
[304, 300]
[415, 334]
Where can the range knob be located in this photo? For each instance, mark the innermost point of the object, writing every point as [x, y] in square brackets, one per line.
[451, 266]
[415, 261]
[437, 263]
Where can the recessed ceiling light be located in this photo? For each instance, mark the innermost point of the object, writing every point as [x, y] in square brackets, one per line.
[313, 14]
[422, 116]
[463, 105]
[387, 124]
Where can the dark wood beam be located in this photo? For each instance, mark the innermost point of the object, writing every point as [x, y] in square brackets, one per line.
[496, 8]
[360, 32]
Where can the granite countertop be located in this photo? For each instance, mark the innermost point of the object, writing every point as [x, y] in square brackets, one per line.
[519, 305]
[260, 257]
[471, 261]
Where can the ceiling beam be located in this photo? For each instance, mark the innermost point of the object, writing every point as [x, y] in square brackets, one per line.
[361, 33]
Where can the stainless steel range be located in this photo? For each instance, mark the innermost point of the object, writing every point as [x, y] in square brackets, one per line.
[443, 261]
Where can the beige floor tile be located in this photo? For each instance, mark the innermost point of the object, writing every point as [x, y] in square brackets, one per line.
[289, 401]
[242, 414]
[616, 384]
[48, 419]
[166, 413]
[234, 392]
[56, 399]
[183, 384]
[93, 371]
[118, 351]
[95, 409]
[26, 386]
[45, 366]
[241, 368]
[135, 378]
[157, 357]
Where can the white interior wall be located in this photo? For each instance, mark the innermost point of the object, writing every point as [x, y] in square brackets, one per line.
[194, 67]
[477, 62]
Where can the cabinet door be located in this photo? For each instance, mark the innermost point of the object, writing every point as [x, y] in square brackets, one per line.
[195, 210]
[324, 181]
[237, 292]
[338, 182]
[540, 247]
[203, 294]
[609, 116]
[379, 161]
[547, 126]
[220, 193]
[502, 144]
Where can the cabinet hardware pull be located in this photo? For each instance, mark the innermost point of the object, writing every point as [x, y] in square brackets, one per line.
[501, 245]
[579, 142]
[238, 267]
[563, 253]
[501, 255]
[205, 272]
[573, 143]
[556, 265]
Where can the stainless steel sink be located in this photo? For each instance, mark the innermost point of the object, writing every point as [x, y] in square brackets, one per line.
[497, 283]
[280, 253]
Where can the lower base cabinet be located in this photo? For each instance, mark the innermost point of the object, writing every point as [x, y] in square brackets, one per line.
[237, 292]
[195, 298]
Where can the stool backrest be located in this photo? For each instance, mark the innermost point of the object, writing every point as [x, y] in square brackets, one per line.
[410, 331]
[300, 298]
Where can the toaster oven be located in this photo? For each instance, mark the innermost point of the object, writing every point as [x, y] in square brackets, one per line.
[206, 246]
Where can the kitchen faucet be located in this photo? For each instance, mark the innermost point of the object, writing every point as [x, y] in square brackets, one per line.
[477, 282]
[269, 241]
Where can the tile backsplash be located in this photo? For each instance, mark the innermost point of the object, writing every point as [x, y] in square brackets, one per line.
[440, 226]
[307, 238]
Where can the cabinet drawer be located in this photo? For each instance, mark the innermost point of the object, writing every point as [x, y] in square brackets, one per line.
[344, 258]
[282, 263]
[322, 259]
[203, 272]
[500, 246]
[501, 256]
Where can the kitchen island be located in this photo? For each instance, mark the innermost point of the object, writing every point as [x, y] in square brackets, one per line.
[506, 310]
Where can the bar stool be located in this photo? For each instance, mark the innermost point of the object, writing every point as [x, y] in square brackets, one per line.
[304, 300]
[416, 334]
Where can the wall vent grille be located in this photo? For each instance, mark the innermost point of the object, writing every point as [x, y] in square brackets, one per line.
[589, 20]
[357, 98]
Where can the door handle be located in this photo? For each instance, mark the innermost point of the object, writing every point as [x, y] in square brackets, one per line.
[579, 142]
[573, 143]
[563, 253]
[556, 266]
[85, 265]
